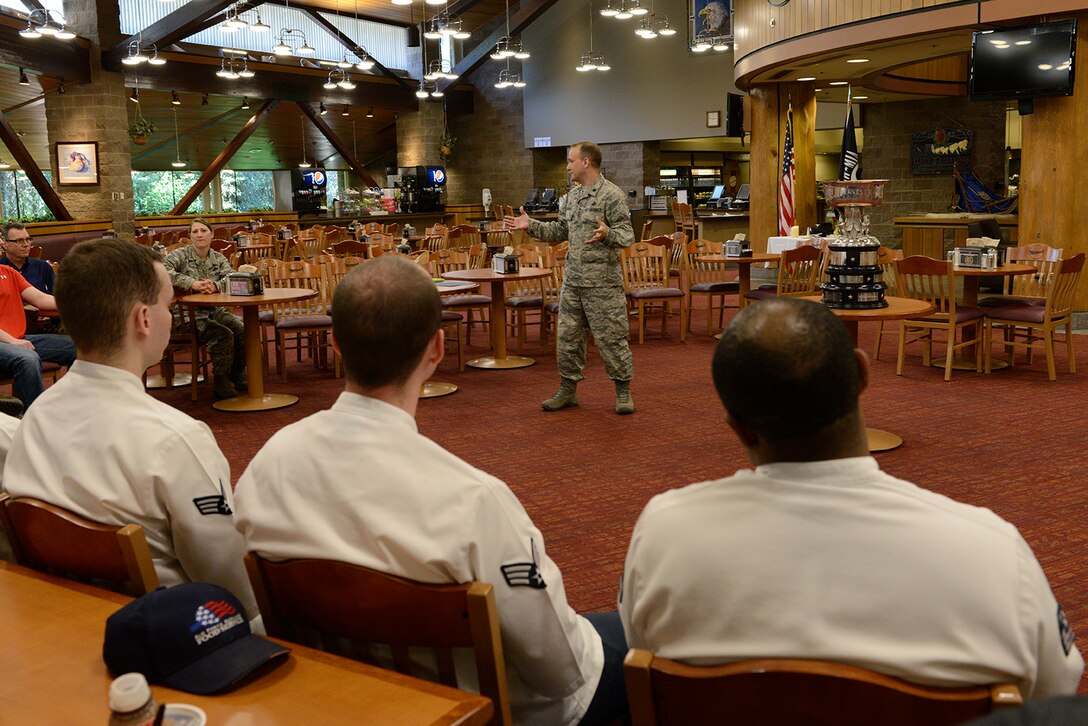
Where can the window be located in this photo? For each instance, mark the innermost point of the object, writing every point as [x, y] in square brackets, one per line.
[247, 191]
[20, 200]
[157, 192]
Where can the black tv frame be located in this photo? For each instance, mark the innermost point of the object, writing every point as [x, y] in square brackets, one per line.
[1023, 95]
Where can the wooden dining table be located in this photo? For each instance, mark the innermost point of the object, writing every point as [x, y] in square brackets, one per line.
[497, 282]
[53, 672]
[254, 399]
[898, 308]
[433, 388]
[971, 277]
[744, 269]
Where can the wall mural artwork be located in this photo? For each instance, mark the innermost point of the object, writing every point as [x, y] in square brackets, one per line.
[940, 151]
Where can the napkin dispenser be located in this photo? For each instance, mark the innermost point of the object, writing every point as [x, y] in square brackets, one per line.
[241, 239]
[506, 263]
[283, 233]
[738, 248]
[967, 257]
[245, 283]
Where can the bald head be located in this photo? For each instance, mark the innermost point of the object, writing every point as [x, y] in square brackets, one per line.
[786, 368]
[384, 314]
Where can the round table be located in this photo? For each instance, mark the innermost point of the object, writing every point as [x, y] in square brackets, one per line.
[971, 277]
[898, 309]
[497, 281]
[744, 269]
[254, 399]
[434, 389]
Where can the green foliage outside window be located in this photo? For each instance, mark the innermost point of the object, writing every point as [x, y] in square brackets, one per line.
[247, 191]
[20, 200]
[156, 192]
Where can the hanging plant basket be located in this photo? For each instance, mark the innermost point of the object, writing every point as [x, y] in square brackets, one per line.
[140, 129]
[446, 145]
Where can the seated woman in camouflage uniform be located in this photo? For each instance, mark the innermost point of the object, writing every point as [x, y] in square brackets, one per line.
[199, 268]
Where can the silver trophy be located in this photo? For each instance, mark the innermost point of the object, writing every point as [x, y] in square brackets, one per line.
[854, 279]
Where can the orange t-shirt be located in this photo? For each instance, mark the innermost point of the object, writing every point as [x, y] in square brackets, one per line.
[12, 317]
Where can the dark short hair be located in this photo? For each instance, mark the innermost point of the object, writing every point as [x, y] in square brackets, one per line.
[591, 151]
[97, 284]
[786, 368]
[384, 314]
[8, 226]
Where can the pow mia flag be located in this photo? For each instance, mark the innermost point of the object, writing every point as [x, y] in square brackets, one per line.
[524, 574]
[849, 165]
[214, 503]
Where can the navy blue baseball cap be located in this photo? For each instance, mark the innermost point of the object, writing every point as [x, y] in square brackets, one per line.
[194, 637]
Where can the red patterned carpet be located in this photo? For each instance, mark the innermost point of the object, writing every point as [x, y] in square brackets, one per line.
[1011, 441]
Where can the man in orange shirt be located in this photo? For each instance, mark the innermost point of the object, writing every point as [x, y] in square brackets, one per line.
[21, 355]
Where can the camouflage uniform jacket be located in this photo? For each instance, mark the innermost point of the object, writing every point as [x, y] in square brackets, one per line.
[597, 264]
[186, 267]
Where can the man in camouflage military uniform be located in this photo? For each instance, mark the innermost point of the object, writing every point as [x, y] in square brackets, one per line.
[597, 222]
[216, 328]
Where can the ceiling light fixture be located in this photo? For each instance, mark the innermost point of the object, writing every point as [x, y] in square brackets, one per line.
[509, 46]
[177, 163]
[134, 96]
[245, 103]
[204, 100]
[346, 111]
[40, 21]
[303, 164]
[321, 108]
[370, 112]
[509, 78]
[593, 60]
[60, 87]
[174, 100]
[23, 80]
[4, 164]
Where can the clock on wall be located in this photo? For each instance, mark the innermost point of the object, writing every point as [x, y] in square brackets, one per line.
[777, 3]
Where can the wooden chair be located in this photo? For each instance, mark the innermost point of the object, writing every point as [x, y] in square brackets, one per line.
[307, 320]
[372, 227]
[382, 243]
[455, 320]
[469, 235]
[553, 289]
[477, 256]
[527, 296]
[1027, 288]
[52, 539]
[349, 248]
[886, 258]
[470, 303]
[647, 230]
[344, 608]
[1027, 325]
[798, 274]
[646, 282]
[924, 278]
[709, 279]
[183, 339]
[684, 219]
[783, 691]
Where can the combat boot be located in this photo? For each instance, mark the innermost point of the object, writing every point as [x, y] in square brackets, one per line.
[566, 396]
[624, 403]
[224, 388]
[239, 379]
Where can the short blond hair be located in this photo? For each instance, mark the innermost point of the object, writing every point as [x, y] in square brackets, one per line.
[590, 150]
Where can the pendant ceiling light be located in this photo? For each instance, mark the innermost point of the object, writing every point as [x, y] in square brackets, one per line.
[509, 46]
[177, 163]
[303, 164]
[288, 40]
[593, 60]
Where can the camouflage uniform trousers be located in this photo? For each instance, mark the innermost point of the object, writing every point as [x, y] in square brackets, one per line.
[224, 335]
[603, 312]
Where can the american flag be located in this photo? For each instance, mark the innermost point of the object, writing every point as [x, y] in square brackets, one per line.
[785, 192]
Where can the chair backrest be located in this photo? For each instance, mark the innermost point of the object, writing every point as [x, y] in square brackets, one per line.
[345, 608]
[780, 691]
[886, 258]
[470, 235]
[644, 266]
[924, 278]
[1041, 256]
[647, 230]
[449, 260]
[50, 538]
[372, 227]
[349, 248]
[700, 270]
[477, 256]
[299, 275]
[799, 271]
[1063, 289]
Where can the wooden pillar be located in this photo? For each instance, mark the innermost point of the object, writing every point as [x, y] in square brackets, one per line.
[1054, 155]
[769, 103]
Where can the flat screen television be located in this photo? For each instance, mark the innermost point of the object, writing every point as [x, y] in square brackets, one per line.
[1022, 63]
[717, 193]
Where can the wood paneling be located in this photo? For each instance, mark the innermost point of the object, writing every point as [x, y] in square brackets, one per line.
[1053, 157]
[769, 105]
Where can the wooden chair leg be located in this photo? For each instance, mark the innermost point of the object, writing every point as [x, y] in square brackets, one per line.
[902, 347]
[879, 337]
[1069, 347]
[683, 303]
[1048, 344]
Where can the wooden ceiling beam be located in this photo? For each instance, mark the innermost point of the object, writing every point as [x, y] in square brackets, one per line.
[274, 80]
[192, 130]
[370, 18]
[523, 18]
[348, 43]
[340, 146]
[225, 155]
[69, 59]
[178, 25]
[33, 172]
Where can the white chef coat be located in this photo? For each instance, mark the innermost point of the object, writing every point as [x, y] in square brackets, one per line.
[835, 560]
[97, 444]
[358, 483]
[8, 424]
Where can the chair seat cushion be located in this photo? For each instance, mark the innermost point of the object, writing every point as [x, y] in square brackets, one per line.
[997, 301]
[655, 293]
[448, 316]
[723, 286]
[552, 307]
[266, 317]
[1018, 312]
[527, 301]
[304, 321]
[762, 294]
[963, 315]
[454, 301]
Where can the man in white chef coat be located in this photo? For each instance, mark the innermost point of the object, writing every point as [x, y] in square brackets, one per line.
[95, 443]
[815, 553]
[358, 483]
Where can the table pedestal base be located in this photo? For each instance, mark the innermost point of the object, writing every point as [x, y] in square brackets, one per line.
[434, 389]
[256, 403]
[968, 364]
[510, 361]
[882, 440]
[180, 379]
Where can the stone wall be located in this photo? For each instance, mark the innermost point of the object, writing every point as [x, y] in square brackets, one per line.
[888, 131]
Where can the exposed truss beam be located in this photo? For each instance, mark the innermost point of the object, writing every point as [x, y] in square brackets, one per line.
[225, 155]
[192, 130]
[341, 148]
[180, 24]
[30, 168]
[348, 43]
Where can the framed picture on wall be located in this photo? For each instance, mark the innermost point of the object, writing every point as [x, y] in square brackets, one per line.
[713, 119]
[711, 22]
[77, 163]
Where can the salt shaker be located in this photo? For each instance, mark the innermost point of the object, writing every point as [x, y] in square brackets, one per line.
[131, 701]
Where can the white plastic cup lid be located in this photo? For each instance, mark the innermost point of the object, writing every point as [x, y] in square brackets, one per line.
[129, 692]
